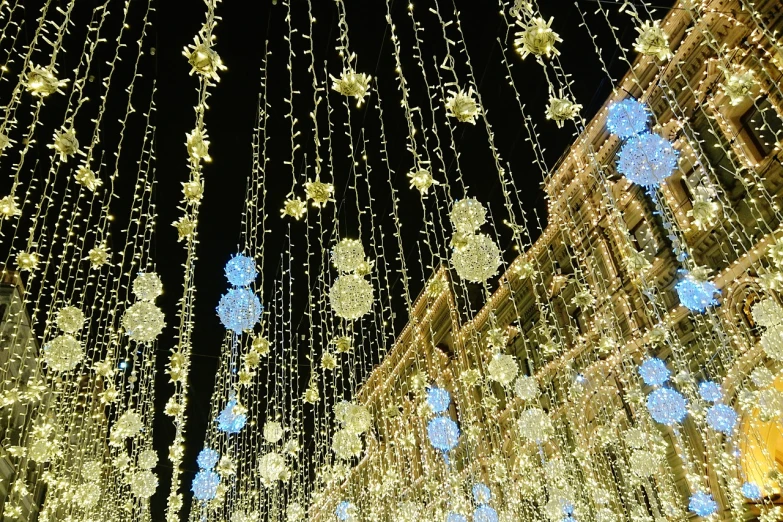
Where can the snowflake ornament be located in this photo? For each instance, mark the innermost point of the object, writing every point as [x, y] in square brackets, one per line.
[42, 82]
[98, 256]
[65, 143]
[739, 85]
[320, 193]
[198, 146]
[186, 228]
[422, 180]
[85, 177]
[652, 40]
[536, 38]
[462, 106]
[562, 109]
[203, 59]
[294, 207]
[352, 84]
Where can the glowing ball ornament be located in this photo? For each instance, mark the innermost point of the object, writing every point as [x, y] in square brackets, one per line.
[272, 468]
[239, 310]
[667, 406]
[63, 353]
[354, 417]
[478, 259]
[467, 215]
[147, 286]
[346, 444]
[762, 377]
[751, 491]
[696, 291]
[273, 431]
[348, 255]
[654, 372]
[526, 388]
[70, 319]
[767, 312]
[241, 270]
[351, 296]
[148, 459]
[233, 417]
[535, 425]
[443, 433]
[143, 321]
[647, 160]
[438, 399]
[772, 342]
[710, 391]
[207, 458]
[485, 514]
[503, 368]
[481, 493]
[627, 118]
[205, 485]
[702, 504]
[456, 517]
[346, 511]
[143, 483]
[722, 418]
[643, 462]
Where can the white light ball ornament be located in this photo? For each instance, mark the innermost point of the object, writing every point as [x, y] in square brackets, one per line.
[478, 260]
[144, 321]
[627, 118]
[647, 160]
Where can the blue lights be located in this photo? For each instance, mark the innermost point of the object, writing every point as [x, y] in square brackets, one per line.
[207, 459]
[647, 160]
[239, 309]
[702, 504]
[232, 419]
[443, 433]
[438, 399]
[456, 517]
[696, 295]
[667, 406]
[654, 372]
[241, 270]
[627, 118]
[751, 491]
[345, 510]
[722, 418]
[485, 513]
[481, 494]
[205, 485]
[123, 365]
[710, 391]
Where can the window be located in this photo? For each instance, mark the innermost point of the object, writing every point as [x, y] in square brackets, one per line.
[643, 239]
[714, 147]
[763, 126]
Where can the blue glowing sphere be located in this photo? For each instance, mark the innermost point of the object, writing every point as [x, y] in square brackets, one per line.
[627, 118]
[702, 504]
[722, 418]
[239, 309]
[438, 399]
[647, 160]
[443, 433]
[710, 391]
[205, 484]
[241, 270]
[697, 296]
[667, 406]
[751, 491]
[456, 517]
[344, 510]
[230, 419]
[654, 372]
[481, 494]
[485, 514]
[207, 459]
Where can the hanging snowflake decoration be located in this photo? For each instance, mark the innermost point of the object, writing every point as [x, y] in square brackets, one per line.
[63, 353]
[667, 406]
[647, 160]
[351, 296]
[205, 485]
[654, 372]
[239, 310]
[198, 145]
[233, 417]
[536, 38]
[272, 468]
[526, 388]
[627, 118]
[65, 143]
[85, 177]
[9, 207]
[42, 82]
[143, 321]
[462, 106]
[696, 291]
[478, 260]
[722, 418]
[294, 207]
[739, 85]
[467, 215]
[535, 425]
[273, 432]
[503, 369]
[241, 270]
[143, 483]
[562, 109]
[422, 180]
[70, 319]
[652, 40]
[352, 84]
[203, 59]
[346, 444]
[320, 193]
[702, 504]
[706, 209]
[443, 433]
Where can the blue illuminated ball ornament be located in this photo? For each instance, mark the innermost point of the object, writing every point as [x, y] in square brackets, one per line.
[239, 309]
[443, 433]
[751, 491]
[485, 514]
[241, 270]
[208, 458]
[647, 160]
[456, 517]
[667, 406]
[344, 510]
[627, 118]
[702, 504]
[438, 399]
[722, 418]
[230, 420]
[205, 484]
[569, 519]
[695, 295]
[654, 372]
[481, 494]
[710, 391]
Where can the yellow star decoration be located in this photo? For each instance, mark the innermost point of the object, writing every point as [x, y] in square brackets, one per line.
[294, 207]
[98, 256]
[422, 180]
[320, 193]
[9, 208]
[186, 228]
[86, 178]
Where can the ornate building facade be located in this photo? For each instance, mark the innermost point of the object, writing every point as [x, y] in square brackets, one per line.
[593, 298]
